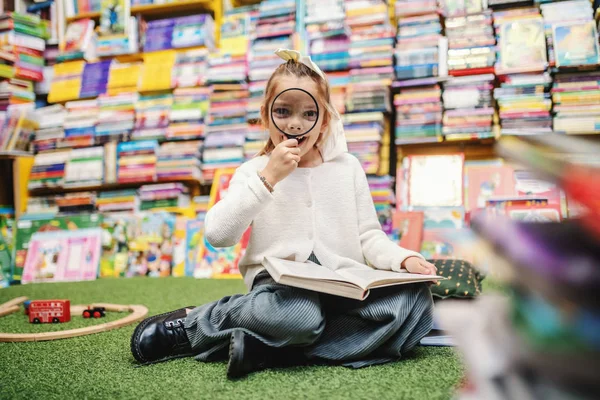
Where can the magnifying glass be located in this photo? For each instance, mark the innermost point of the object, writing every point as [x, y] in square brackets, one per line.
[294, 112]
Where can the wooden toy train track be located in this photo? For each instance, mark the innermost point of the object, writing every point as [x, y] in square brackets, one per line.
[137, 313]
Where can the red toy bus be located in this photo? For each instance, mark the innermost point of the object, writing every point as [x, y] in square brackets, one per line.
[47, 311]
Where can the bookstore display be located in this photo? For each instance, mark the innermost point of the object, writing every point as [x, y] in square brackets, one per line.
[476, 122]
[136, 114]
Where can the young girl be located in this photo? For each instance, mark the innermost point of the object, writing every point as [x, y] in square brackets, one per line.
[306, 199]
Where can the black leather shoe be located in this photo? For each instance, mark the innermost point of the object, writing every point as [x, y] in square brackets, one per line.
[161, 338]
[248, 354]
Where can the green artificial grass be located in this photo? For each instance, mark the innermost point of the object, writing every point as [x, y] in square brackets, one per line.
[101, 365]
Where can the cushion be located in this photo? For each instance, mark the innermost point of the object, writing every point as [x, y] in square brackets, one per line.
[463, 280]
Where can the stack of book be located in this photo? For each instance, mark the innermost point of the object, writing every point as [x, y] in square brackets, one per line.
[223, 148]
[328, 34]
[274, 29]
[539, 334]
[189, 113]
[421, 49]
[136, 161]
[179, 160]
[381, 191]
[338, 82]
[576, 98]
[94, 79]
[410, 8]
[66, 81]
[226, 133]
[190, 68]
[15, 92]
[42, 205]
[253, 147]
[371, 49]
[471, 42]
[418, 112]
[79, 42]
[23, 38]
[565, 20]
[363, 134]
[152, 116]
[524, 104]
[85, 167]
[469, 112]
[76, 203]
[163, 195]
[126, 200]
[172, 33]
[124, 41]
[80, 124]
[48, 169]
[50, 127]
[123, 78]
[520, 34]
[116, 118]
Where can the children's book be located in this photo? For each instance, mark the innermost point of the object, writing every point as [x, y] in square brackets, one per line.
[409, 226]
[114, 17]
[484, 180]
[26, 227]
[576, 44]
[436, 180]
[151, 246]
[443, 244]
[354, 283]
[64, 256]
[222, 262]
[4, 263]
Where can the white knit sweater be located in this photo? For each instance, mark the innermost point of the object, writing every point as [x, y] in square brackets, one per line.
[327, 210]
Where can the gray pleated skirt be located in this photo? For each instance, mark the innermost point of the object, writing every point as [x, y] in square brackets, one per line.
[389, 323]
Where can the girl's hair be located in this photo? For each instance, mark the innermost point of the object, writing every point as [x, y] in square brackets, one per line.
[299, 70]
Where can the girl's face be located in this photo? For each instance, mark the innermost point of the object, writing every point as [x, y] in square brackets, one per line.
[294, 123]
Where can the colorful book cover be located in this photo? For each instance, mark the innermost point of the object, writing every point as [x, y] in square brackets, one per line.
[114, 17]
[438, 244]
[116, 231]
[65, 256]
[27, 227]
[194, 238]
[576, 44]
[222, 262]
[180, 247]
[5, 261]
[409, 228]
[151, 249]
[523, 46]
[483, 181]
[436, 180]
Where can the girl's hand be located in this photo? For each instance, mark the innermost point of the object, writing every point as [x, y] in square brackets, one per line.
[417, 265]
[283, 161]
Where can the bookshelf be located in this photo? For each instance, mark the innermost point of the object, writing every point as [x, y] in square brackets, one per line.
[15, 167]
[195, 186]
[171, 9]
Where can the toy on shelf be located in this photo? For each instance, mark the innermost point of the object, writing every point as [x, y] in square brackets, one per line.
[94, 312]
[136, 313]
[46, 311]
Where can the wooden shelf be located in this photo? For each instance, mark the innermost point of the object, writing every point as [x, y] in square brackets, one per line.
[475, 149]
[14, 154]
[194, 185]
[156, 9]
[166, 10]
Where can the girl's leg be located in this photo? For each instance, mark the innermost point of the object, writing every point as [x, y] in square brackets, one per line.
[274, 314]
[390, 322]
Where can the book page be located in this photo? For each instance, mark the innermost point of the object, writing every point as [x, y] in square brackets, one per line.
[308, 270]
[371, 278]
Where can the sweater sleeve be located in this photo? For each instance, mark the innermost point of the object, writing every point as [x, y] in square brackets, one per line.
[379, 251]
[246, 197]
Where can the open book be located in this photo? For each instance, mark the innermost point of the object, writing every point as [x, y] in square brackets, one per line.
[354, 283]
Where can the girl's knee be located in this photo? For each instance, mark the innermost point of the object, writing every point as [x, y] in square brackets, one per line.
[294, 313]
